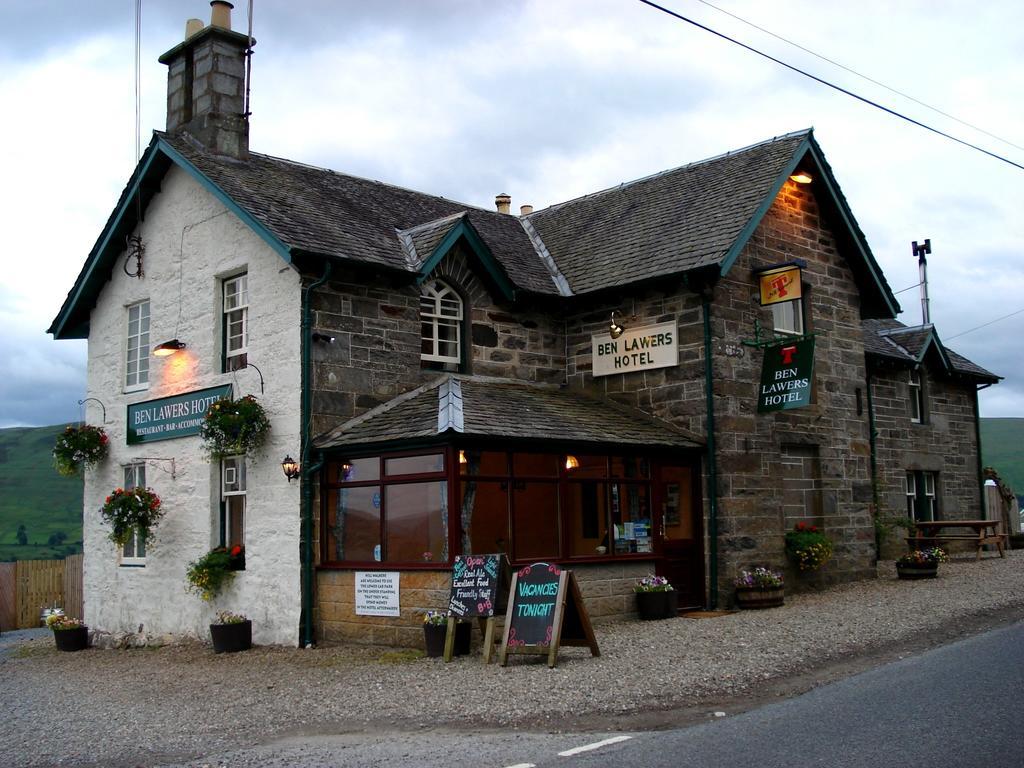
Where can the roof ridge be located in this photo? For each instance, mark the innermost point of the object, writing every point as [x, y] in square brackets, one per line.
[658, 174]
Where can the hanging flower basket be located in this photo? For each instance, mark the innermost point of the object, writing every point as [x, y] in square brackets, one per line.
[129, 510]
[234, 427]
[808, 547]
[79, 447]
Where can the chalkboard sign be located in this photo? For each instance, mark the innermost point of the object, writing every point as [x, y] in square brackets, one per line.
[476, 585]
[545, 610]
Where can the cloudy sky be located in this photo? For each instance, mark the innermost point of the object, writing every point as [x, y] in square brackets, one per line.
[545, 100]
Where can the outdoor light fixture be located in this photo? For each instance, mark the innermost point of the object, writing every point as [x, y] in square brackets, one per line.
[802, 177]
[290, 467]
[614, 329]
[168, 348]
[571, 462]
[325, 338]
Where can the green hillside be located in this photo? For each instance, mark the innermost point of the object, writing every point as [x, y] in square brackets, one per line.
[34, 495]
[1002, 447]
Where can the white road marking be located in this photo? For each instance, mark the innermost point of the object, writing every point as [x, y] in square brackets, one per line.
[595, 745]
[522, 765]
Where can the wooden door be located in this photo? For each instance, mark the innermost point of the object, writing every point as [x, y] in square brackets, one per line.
[681, 531]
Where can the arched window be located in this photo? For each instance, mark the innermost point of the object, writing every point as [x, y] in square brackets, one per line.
[441, 323]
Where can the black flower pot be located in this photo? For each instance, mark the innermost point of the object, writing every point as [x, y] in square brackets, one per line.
[72, 639]
[758, 597]
[231, 638]
[657, 605]
[917, 570]
[434, 635]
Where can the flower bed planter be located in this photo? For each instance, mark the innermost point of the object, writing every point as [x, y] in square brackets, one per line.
[651, 606]
[76, 639]
[917, 571]
[231, 638]
[434, 634]
[757, 598]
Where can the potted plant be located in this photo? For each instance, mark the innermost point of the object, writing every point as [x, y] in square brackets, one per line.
[760, 588]
[69, 634]
[655, 598]
[435, 630]
[129, 510]
[232, 632]
[79, 447]
[921, 563]
[214, 571]
[234, 427]
[808, 547]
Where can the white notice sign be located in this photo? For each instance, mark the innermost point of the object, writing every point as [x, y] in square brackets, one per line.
[637, 349]
[377, 593]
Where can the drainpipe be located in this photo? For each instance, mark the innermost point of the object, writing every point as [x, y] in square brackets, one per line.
[712, 462]
[873, 443]
[977, 442]
[308, 470]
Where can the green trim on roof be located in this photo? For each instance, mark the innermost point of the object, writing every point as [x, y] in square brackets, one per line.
[69, 323]
[282, 250]
[810, 146]
[464, 230]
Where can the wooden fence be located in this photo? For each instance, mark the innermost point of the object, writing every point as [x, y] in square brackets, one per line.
[28, 586]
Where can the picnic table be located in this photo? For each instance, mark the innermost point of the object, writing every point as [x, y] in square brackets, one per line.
[929, 533]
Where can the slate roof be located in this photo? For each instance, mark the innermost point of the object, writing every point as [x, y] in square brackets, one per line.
[503, 409]
[895, 341]
[668, 223]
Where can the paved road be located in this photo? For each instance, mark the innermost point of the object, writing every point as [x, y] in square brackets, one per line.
[959, 706]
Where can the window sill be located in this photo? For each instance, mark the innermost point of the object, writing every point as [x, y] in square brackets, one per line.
[131, 565]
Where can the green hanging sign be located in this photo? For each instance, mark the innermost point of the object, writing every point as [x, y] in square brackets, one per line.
[170, 417]
[786, 375]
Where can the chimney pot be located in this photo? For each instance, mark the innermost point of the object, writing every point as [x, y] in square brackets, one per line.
[525, 210]
[503, 202]
[192, 26]
[220, 15]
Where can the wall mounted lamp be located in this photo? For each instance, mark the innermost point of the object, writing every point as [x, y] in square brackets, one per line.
[168, 348]
[615, 329]
[802, 177]
[324, 337]
[290, 467]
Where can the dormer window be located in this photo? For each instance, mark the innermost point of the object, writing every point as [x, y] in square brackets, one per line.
[441, 324]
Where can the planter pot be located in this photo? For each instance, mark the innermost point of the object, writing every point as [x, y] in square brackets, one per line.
[757, 598]
[231, 638]
[72, 639]
[434, 634]
[651, 606]
[921, 571]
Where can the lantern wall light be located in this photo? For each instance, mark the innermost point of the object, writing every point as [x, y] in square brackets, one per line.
[290, 467]
[168, 348]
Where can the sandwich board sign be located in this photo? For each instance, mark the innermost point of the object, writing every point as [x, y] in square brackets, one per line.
[545, 610]
[479, 584]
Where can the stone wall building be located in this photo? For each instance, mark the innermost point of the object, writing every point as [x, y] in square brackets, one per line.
[582, 384]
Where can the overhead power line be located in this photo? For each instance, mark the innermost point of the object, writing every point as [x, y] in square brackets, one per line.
[854, 72]
[984, 325]
[833, 86]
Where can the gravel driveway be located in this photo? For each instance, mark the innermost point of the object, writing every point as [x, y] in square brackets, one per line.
[178, 703]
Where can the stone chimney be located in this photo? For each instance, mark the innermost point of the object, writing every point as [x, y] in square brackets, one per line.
[206, 84]
[503, 202]
[525, 210]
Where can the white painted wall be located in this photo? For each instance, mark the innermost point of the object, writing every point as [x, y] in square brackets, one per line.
[191, 242]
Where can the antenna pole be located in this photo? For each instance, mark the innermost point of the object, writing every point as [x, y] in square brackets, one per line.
[922, 264]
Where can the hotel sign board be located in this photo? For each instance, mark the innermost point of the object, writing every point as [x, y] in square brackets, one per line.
[779, 284]
[786, 376]
[171, 417]
[637, 349]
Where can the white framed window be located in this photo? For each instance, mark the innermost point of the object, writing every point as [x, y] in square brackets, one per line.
[922, 496]
[788, 317]
[136, 370]
[441, 323]
[232, 495]
[134, 550]
[236, 322]
[916, 396]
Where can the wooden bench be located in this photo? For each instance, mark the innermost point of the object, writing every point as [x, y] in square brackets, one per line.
[928, 534]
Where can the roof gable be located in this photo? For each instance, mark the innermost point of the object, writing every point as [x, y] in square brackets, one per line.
[911, 346]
